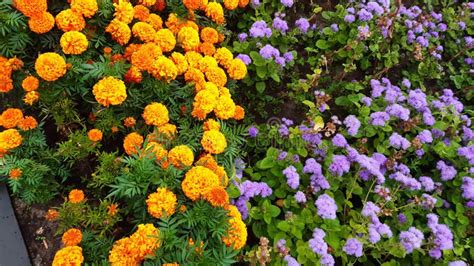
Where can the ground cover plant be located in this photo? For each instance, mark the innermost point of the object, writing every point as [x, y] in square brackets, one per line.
[269, 132]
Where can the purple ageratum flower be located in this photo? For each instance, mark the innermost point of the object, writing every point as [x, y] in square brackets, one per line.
[288, 56]
[282, 156]
[287, 3]
[302, 24]
[427, 201]
[398, 111]
[339, 141]
[467, 188]
[353, 247]
[242, 36]
[367, 101]
[349, 18]
[327, 260]
[457, 263]
[443, 239]
[300, 197]
[375, 8]
[352, 124]
[399, 142]
[339, 165]
[402, 218]
[406, 83]
[427, 183]
[280, 24]
[253, 131]
[334, 27]
[269, 51]
[374, 236]
[280, 61]
[364, 32]
[260, 29]
[256, 3]
[287, 122]
[447, 172]
[417, 99]
[249, 189]
[462, 25]
[317, 243]
[292, 177]
[411, 239]
[422, 41]
[245, 58]
[318, 182]
[370, 209]
[364, 15]
[283, 131]
[291, 261]
[428, 118]
[425, 136]
[379, 118]
[326, 207]
[312, 167]
[377, 88]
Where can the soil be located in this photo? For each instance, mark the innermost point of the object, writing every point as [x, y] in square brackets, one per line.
[38, 233]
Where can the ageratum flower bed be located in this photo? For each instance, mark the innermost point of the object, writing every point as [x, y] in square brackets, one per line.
[165, 132]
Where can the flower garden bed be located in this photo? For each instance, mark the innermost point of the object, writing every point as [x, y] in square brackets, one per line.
[275, 132]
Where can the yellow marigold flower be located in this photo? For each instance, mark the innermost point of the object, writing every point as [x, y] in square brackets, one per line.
[170, 264]
[146, 239]
[155, 21]
[211, 124]
[181, 156]
[143, 31]
[129, 122]
[72, 237]
[198, 181]
[76, 196]
[224, 57]
[237, 69]
[206, 62]
[164, 69]
[194, 75]
[68, 20]
[74, 42]
[50, 66]
[124, 11]
[198, 113]
[173, 22]
[15, 173]
[233, 211]
[31, 8]
[161, 202]
[144, 57]
[167, 130]
[207, 48]
[193, 4]
[110, 91]
[209, 35]
[11, 117]
[215, 12]
[147, 2]
[41, 22]
[71, 256]
[155, 114]
[165, 39]
[31, 97]
[213, 142]
[216, 75]
[182, 208]
[211, 87]
[206, 100]
[94, 135]
[120, 31]
[132, 142]
[231, 4]
[28, 123]
[188, 38]
[158, 150]
[239, 113]
[9, 139]
[51, 215]
[180, 62]
[87, 8]
[209, 162]
[112, 209]
[142, 13]
[237, 234]
[122, 253]
[224, 92]
[217, 197]
[225, 108]
[193, 58]
[30, 83]
[243, 3]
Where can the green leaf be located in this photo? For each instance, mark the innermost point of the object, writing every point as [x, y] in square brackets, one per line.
[266, 163]
[284, 226]
[397, 251]
[322, 44]
[260, 86]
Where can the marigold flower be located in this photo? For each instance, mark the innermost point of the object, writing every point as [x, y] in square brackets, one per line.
[87, 8]
[216, 75]
[205, 100]
[224, 92]
[142, 13]
[225, 108]
[237, 234]
[114, 129]
[209, 35]
[120, 31]
[6, 82]
[239, 113]
[15, 173]
[161, 202]
[76, 196]
[158, 150]
[122, 254]
[243, 3]
[41, 23]
[110, 91]
[71, 256]
[143, 31]
[133, 75]
[231, 4]
[209, 162]
[194, 75]
[74, 42]
[50, 66]
[170, 264]
[237, 69]
[147, 2]
[30, 83]
[28, 123]
[193, 4]
[94, 135]
[211, 124]
[129, 122]
[160, 5]
[215, 12]
[72, 237]
[198, 181]
[145, 55]
[165, 39]
[181, 156]
[193, 58]
[9, 139]
[155, 114]
[132, 142]
[31, 8]
[207, 48]
[124, 11]
[180, 61]
[31, 97]
[155, 21]
[213, 142]
[164, 69]
[51, 215]
[217, 197]
[233, 212]
[188, 38]
[167, 130]
[11, 117]
[209, 86]
[206, 62]
[68, 20]
[224, 57]
[112, 209]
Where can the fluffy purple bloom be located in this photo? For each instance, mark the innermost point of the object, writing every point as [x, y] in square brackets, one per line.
[318, 182]
[425, 136]
[287, 3]
[349, 18]
[292, 177]
[334, 27]
[326, 207]
[317, 243]
[269, 51]
[352, 124]
[411, 239]
[312, 167]
[370, 209]
[339, 141]
[243, 36]
[367, 101]
[417, 99]
[302, 24]
[427, 183]
[443, 238]
[282, 156]
[339, 165]
[353, 247]
[467, 188]
[406, 83]
[300, 197]
[402, 218]
[249, 189]
[260, 29]
[280, 24]
[379, 118]
[447, 172]
[363, 32]
[291, 261]
[457, 263]
[399, 142]
[280, 61]
[427, 201]
[375, 8]
[468, 153]
[253, 131]
[327, 260]
[462, 25]
[364, 15]
[288, 56]
[398, 111]
[245, 58]
[374, 236]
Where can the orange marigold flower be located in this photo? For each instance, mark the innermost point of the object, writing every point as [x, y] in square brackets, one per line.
[9, 139]
[124, 11]
[209, 162]
[209, 35]
[15, 173]
[237, 69]
[31, 97]
[30, 83]
[76, 196]
[28, 123]
[213, 142]
[198, 181]
[225, 108]
[68, 20]
[182, 208]
[74, 42]
[72, 237]
[243, 3]
[216, 75]
[129, 122]
[6, 82]
[71, 256]
[224, 57]
[132, 48]
[94, 135]
[164, 69]
[155, 21]
[167, 130]
[237, 234]
[147, 2]
[145, 55]
[143, 31]
[155, 114]
[107, 50]
[180, 61]
[87, 8]
[11, 117]
[239, 112]
[231, 4]
[160, 5]
[158, 150]
[51, 215]
[133, 75]
[215, 12]
[162, 202]
[194, 75]
[110, 91]
[142, 13]
[112, 209]
[41, 22]
[181, 156]
[122, 253]
[120, 31]
[165, 39]
[114, 129]
[30, 8]
[188, 38]
[50, 66]
[217, 197]
[211, 124]
[207, 48]
[193, 4]
[132, 142]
